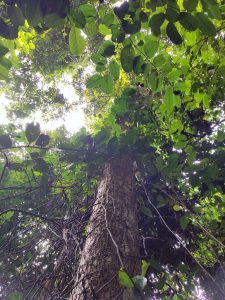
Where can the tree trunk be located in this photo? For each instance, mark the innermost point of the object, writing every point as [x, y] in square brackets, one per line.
[113, 240]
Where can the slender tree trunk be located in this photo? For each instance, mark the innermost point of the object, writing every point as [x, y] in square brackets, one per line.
[113, 240]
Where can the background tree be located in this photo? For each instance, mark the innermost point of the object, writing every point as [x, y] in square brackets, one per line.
[154, 79]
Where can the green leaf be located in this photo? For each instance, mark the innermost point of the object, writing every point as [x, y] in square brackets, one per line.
[131, 28]
[156, 265]
[108, 19]
[125, 280]
[88, 10]
[156, 22]
[103, 29]
[3, 50]
[214, 11]
[126, 58]
[137, 64]
[4, 29]
[122, 10]
[77, 43]
[184, 221]
[16, 296]
[108, 49]
[114, 69]
[33, 13]
[5, 141]
[106, 84]
[118, 34]
[151, 46]
[173, 34]
[94, 81]
[32, 132]
[204, 24]
[190, 4]
[177, 207]
[97, 58]
[16, 15]
[153, 81]
[172, 12]
[143, 16]
[43, 140]
[169, 99]
[188, 21]
[144, 267]
[7, 216]
[91, 29]
[78, 18]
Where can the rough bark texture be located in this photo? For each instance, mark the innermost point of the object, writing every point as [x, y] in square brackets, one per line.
[113, 240]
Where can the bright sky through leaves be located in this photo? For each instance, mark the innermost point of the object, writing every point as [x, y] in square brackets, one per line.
[73, 120]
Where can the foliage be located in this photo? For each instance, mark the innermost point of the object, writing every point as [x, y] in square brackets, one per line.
[154, 84]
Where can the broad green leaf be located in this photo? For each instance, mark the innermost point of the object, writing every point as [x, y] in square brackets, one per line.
[16, 15]
[103, 29]
[16, 296]
[32, 132]
[7, 216]
[153, 81]
[156, 22]
[122, 10]
[78, 18]
[137, 64]
[53, 21]
[125, 280]
[91, 29]
[204, 24]
[144, 267]
[214, 11]
[97, 58]
[33, 13]
[190, 4]
[184, 221]
[172, 12]
[188, 21]
[106, 84]
[126, 58]
[131, 28]
[108, 19]
[3, 50]
[159, 60]
[156, 265]
[77, 43]
[88, 10]
[169, 99]
[174, 74]
[151, 46]
[108, 49]
[5, 141]
[160, 284]
[143, 16]
[114, 69]
[118, 34]
[173, 34]
[94, 81]
[4, 29]
[177, 207]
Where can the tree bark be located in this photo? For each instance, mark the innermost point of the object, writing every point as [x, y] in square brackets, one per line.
[113, 239]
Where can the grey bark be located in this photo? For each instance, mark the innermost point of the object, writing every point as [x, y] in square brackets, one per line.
[113, 239]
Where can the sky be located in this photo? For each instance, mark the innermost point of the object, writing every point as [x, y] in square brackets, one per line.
[72, 120]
